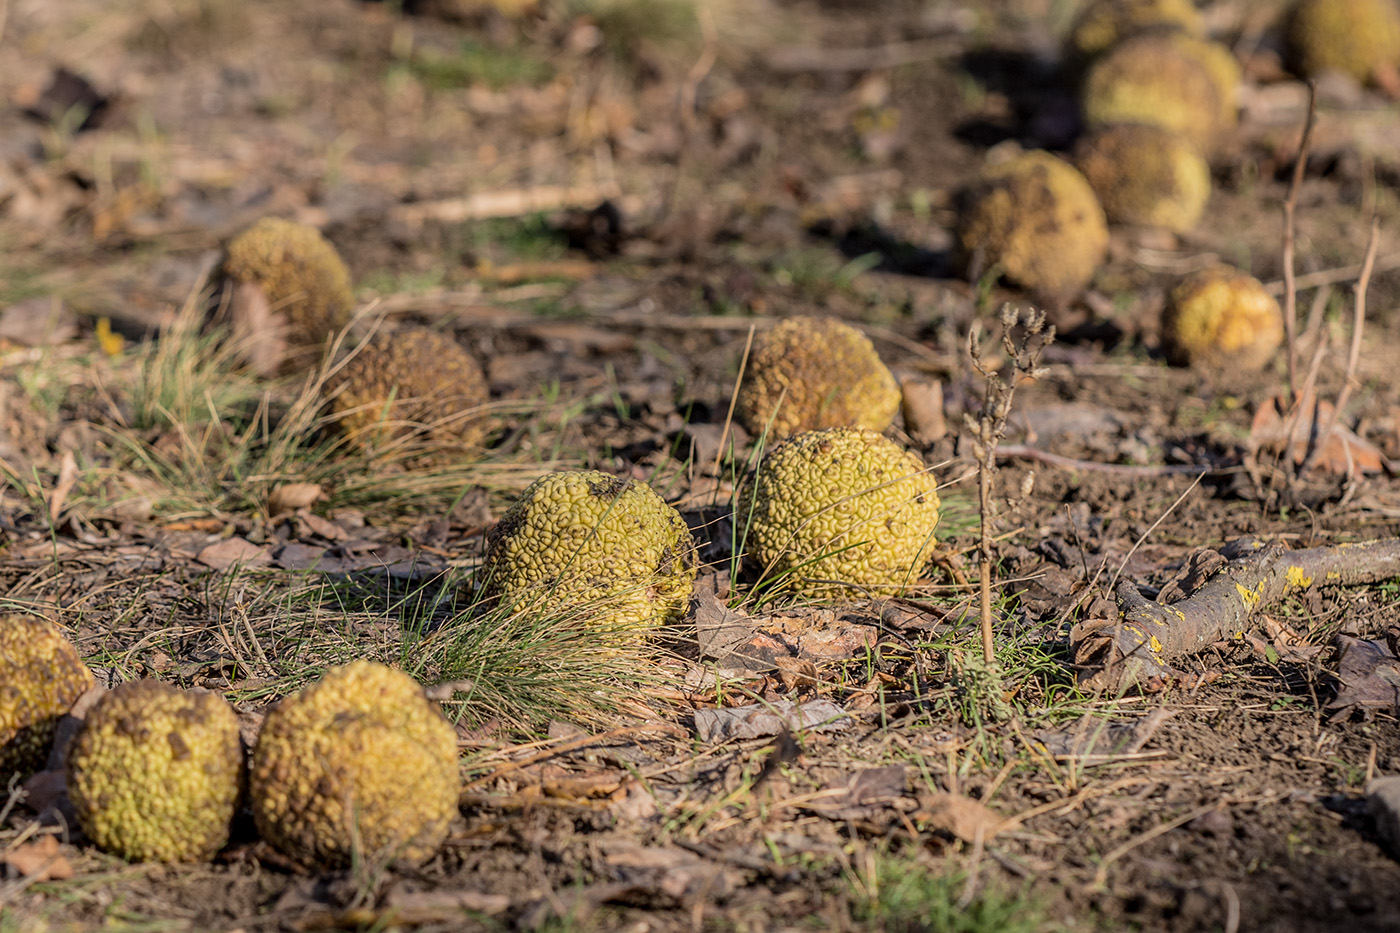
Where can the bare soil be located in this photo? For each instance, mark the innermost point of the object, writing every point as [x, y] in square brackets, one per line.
[772, 158]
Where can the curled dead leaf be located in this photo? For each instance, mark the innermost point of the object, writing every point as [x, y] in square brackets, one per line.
[289, 497]
[41, 860]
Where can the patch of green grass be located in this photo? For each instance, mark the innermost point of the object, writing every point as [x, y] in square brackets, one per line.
[523, 239]
[214, 441]
[909, 894]
[629, 27]
[479, 63]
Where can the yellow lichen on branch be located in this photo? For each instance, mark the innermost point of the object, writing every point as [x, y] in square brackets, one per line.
[1135, 648]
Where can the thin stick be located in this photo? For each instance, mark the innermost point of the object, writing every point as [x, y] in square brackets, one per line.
[1153, 527]
[1101, 876]
[734, 399]
[1358, 318]
[700, 69]
[1290, 207]
[1027, 452]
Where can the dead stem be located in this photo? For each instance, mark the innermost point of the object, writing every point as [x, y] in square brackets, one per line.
[1358, 319]
[989, 427]
[1290, 207]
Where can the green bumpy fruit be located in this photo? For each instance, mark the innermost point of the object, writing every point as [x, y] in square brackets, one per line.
[808, 373]
[583, 537]
[361, 764]
[840, 512]
[156, 773]
[1037, 219]
[1146, 176]
[1182, 84]
[1224, 319]
[41, 677]
[406, 383]
[1102, 24]
[301, 275]
[1355, 37]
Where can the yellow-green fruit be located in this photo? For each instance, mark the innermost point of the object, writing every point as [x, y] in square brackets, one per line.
[1035, 218]
[410, 382]
[301, 275]
[840, 512]
[586, 538]
[808, 373]
[359, 765]
[1146, 176]
[1222, 318]
[156, 773]
[1355, 37]
[1174, 81]
[1101, 24]
[41, 676]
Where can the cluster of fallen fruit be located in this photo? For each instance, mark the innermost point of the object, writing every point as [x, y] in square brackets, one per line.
[360, 763]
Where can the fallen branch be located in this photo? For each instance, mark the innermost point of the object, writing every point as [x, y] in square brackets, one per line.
[1134, 650]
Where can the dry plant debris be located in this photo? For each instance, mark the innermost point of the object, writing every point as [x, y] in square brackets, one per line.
[1134, 650]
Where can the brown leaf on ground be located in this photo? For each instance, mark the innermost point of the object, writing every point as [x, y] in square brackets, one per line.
[1368, 676]
[752, 722]
[40, 860]
[959, 816]
[232, 552]
[794, 673]
[865, 791]
[289, 497]
[1342, 452]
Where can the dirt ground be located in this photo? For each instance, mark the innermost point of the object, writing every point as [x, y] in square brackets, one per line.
[601, 200]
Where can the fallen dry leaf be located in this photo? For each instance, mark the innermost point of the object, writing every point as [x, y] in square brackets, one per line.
[1342, 452]
[752, 722]
[963, 817]
[289, 497]
[40, 860]
[233, 551]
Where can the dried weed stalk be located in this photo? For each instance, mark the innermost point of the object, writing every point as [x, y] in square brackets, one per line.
[989, 427]
[1303, 411]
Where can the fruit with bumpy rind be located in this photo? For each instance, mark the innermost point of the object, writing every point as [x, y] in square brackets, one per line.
[304, 289]
[41, 677]
[1101, 24]
[584, 538]
[839, 512]
[359, 765]
[1145, 176]
[1037, 220]
[1222, 319]
[1360, 38]
[815, 372]
[156, 773]
[1172, 80]
[410, 383]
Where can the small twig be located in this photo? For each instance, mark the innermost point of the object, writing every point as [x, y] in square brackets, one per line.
[734, 399]
[1113, 583]
[1027, 452]
[1358, 318]
[1290, 207]
[1335, 275]
[1113, 855]
[700, 69]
